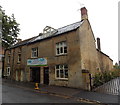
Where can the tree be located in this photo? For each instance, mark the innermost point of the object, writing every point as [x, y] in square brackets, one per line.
[103, 77]
[10, 30]
[116, 66]
[0, 27]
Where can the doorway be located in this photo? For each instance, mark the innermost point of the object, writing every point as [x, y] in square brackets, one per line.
[35, 74]
[46, 75]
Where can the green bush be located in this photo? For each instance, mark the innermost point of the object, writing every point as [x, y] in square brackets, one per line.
[103, 77]
[98, 80]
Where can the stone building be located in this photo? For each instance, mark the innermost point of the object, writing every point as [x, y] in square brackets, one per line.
[1, 60]
[66, 56]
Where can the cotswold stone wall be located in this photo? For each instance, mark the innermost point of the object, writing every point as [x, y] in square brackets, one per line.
[47, 49]
[82, 58]
[89, 58]
[106, 64]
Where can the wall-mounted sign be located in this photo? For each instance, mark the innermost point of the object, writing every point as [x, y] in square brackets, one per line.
[37, 62]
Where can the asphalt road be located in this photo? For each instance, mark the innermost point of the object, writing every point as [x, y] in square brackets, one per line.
[13, 94]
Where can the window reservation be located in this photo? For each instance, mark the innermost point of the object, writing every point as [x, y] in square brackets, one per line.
[61, 71]
[19, 58]
[61, 48]
[8, 71]
[34, 52]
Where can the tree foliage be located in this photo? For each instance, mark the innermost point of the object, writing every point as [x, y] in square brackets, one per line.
[103, 77]
[116, 66]
[10, 30]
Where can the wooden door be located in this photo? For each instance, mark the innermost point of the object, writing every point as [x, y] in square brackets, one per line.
[46, 75]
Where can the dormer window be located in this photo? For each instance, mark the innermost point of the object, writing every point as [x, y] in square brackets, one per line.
[48, 31]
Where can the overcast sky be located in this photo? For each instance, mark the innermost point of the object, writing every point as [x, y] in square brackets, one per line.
[34, 15]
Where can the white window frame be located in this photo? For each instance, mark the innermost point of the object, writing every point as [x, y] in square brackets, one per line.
[61, 69]
[33, 52]
[8, 71]
[19, 58]
[59, 46]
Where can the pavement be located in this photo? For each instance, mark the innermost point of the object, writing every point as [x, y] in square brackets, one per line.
[81, 95]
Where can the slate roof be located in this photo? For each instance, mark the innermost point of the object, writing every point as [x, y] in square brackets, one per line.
[69, 27]
[60, 31]
[23, 42]
[104, 54]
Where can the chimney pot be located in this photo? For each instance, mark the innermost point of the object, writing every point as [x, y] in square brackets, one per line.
[98, 44]
[84, 14]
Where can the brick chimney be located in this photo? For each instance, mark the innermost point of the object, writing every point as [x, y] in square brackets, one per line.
[84, 14]
[98, 44]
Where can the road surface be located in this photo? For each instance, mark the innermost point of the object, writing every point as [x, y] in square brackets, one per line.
[16, 94]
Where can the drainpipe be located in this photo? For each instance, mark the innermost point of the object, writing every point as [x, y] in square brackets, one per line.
[13, 62]
[98, 44]
[90, 77]
[3, 62]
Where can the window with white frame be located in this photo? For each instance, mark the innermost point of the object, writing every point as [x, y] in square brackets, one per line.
[19, 58]
[61, 71]
[8, 71]
[61, 48]
[34, 52]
